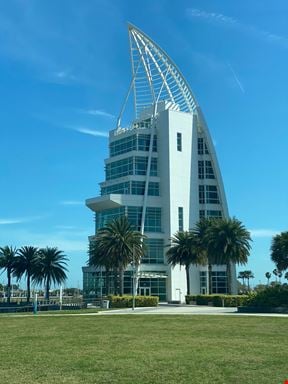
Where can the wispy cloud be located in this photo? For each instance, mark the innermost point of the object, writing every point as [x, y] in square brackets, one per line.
[19, 220]
[236, 78]
[91, 132]
[64, 75]
[72, 202]
[230, 22]
[99, 112]
[261, 232]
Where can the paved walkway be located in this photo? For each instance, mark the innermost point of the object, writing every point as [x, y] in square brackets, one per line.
[169, 309]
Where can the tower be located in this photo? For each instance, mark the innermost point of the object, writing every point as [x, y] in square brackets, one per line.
[162, 173]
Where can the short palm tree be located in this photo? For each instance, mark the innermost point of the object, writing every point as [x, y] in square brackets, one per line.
[268, 277]
[7, 262]
[26, 265]
[279, 251]
[185, 250]
[229, 241]
[120, 245]
[50, 268]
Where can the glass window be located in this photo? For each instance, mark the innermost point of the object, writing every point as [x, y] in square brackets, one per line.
[179, 141]
[123, 188]
[180, 218]
[202, 147]
[141, 164]
[209, 173]
[103, 217]
[153, 219]
[210, 196]
[124, 145]
[214, 214]
[154, 251]
[201, 169]
[119, 168]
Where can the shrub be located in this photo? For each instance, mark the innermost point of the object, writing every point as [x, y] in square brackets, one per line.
[126, 301]
[217, 300]
[276, 296]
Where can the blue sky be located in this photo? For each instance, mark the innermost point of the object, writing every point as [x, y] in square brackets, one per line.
[64, 72]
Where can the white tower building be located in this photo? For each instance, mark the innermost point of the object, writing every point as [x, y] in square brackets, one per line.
[162, 173]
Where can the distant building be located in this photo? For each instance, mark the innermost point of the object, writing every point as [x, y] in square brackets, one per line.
[162, 173]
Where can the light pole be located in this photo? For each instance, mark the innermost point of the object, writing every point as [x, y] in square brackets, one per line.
[133, 280]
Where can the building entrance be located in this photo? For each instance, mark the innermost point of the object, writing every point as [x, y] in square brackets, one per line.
[145, 291]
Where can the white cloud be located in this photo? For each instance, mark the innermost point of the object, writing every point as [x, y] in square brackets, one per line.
[99, 112]
[72, 202]
[261, 232]
[91, 132]
[251, 30]
[19, 220]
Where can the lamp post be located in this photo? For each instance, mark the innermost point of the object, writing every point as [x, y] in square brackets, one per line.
[133, 280]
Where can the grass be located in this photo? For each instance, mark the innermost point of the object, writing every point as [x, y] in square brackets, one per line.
[143, 349]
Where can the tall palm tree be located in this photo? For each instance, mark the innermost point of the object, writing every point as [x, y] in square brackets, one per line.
[277, 273]
[248, 275]
[279, 251]
[50, 268]
[185, 250]
[120, 244]
[241, 275]
[7, 262]
[26, 265]
[201, 231]
[268, 277]
[229, 241]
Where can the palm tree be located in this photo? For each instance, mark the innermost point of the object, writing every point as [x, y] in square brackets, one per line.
[268, 277]
[7, 262]
[50, 268]
[286, 276]
[185, 250]
[201, 232]
[229, 241]
[117, 245]
[248, 275]
[279, 251]
[277, 273]
[241, 275]
[26, 265]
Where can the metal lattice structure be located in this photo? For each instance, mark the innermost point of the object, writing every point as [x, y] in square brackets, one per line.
[155, 76]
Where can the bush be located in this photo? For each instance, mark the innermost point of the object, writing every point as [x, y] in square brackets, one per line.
[217, 300]
[276, 296]
[126, 301]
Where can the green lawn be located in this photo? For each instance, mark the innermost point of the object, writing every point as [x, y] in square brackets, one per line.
[143, 349]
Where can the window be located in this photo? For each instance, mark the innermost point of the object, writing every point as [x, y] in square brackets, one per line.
[180, 218]
[102, 218]
[119, 168]
[201, 169]
[219, 282]
[214, 214]
[124, 145]
[202, 147]
[208, 194]
[179, 141]
[141, 164]
[152, 218]
[212, 194]
[201, 214]
[209, 173]
[154, 252]
[123, 188]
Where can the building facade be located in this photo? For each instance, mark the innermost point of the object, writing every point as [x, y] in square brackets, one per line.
[162, 173]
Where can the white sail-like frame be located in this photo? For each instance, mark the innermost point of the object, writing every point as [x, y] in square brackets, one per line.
[155, 76]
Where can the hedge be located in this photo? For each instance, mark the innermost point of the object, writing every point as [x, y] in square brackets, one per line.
[276, 296]
[126, 301]
[217, 300]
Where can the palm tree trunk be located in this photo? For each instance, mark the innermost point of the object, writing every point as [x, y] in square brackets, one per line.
[228, 277]
[121, 282]
[107, 281]
[28, 287]
[248, 278]
[210, 279]
[187, 279]
[8, 285]
[47, 288]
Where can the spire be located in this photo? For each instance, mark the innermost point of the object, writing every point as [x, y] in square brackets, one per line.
[156, 76]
